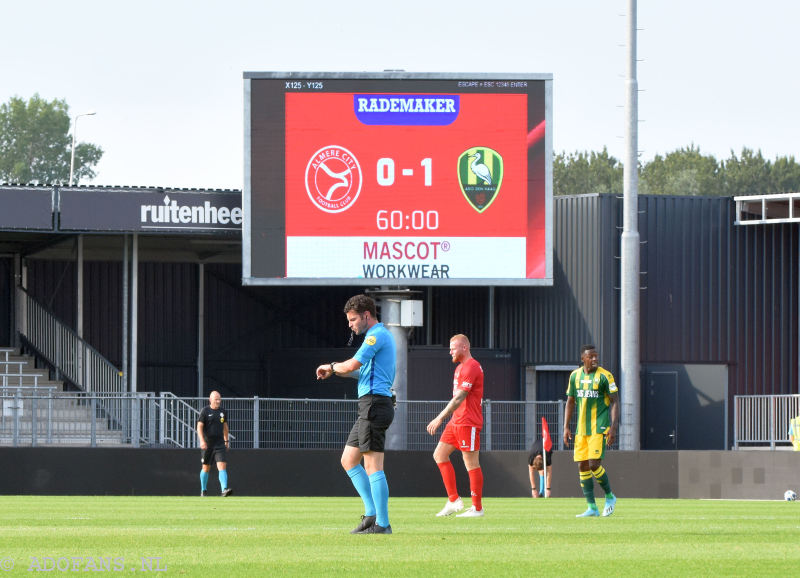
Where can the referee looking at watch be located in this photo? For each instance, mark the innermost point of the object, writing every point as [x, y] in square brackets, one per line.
[373, 366]
[212, 431]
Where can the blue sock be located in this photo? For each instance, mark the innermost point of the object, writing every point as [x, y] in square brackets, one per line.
[380, 495]
[223, 479]
[541, 484]
[358, 475]
[203, 480]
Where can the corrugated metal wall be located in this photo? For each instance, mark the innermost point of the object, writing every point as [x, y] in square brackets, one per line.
[168, 327]
[764, 314]
[52, 283]
[688, 260]
[720, 293]
[102, 308]
[549, 324]
[6, 287]
[248, 327]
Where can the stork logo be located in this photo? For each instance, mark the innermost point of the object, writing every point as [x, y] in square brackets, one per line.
[333, 179]
[480, 173]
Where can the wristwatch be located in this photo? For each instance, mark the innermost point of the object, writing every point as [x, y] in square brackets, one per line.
[332, 369]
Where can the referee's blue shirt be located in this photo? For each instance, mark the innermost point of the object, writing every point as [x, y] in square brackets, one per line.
[377, 356]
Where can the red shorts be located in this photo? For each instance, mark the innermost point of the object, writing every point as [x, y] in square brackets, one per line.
[467, 438]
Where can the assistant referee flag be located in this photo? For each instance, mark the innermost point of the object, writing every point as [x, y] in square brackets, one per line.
[547, 441]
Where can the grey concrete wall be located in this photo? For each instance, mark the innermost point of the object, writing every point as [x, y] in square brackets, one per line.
[748, 474]
[669, 474]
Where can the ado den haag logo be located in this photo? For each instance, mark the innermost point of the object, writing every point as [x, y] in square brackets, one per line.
[480, 173]
[333, 179]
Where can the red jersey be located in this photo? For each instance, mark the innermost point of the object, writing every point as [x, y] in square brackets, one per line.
[469, 377]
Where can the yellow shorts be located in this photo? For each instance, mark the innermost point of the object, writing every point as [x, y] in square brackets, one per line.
[591, 447]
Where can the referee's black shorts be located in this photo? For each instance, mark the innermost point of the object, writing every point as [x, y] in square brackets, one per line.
[214, 451]
[375, 415]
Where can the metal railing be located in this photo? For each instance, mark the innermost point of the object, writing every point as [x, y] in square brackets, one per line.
[61, 347]
[32, 417]
[39, 414]
[763, 420]
[177, 421]
[43, 415]
[270, 423]
[7, 379]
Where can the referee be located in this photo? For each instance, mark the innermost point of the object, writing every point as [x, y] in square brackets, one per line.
[212, 431]
[374, 367]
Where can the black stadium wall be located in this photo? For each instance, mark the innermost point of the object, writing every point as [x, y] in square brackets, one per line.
[713, 293]
[106, 471]
[6, 300]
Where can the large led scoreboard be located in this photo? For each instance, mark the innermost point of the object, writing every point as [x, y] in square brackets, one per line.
[397, 179]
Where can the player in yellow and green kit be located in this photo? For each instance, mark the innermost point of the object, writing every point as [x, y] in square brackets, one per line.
[593, 390]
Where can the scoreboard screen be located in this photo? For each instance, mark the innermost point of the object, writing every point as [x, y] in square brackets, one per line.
[397, 178]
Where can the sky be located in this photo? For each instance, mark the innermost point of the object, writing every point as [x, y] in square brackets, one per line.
[165, 77]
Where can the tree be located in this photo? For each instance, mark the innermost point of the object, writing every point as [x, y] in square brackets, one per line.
[36, 144]
[785, 177]
[751, 174]
[685, 171]
[580, 173]
[748, 174]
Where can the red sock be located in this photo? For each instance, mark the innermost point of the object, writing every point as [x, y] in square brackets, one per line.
[476, 487]
[449, 479]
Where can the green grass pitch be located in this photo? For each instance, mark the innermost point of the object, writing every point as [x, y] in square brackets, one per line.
[243, 536]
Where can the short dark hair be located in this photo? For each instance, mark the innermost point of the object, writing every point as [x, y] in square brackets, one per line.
[361, 304]
[585, 348]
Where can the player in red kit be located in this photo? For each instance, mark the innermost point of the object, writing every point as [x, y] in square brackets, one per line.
[463, 431]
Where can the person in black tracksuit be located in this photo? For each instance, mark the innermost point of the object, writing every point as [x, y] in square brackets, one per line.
[212, 431]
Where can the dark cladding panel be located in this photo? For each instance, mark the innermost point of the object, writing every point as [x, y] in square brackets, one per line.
[52, 284]
[764, 343]
[6, 301]
[168, 328]
[430, 374]
[26, 208]
[150, 210]
[102, 302]
[548, 325]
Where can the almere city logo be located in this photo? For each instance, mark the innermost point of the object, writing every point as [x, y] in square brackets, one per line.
[480, 174]
[333, 179]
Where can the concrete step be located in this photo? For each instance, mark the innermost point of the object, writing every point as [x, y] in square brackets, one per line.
[65, 413]
[68, 419]
[58, 413]
[21, 370]
[27, 367]
[7, 353]
[7, 425]
[12, 367]
[27, 378]
[60, 427]
[64, 441]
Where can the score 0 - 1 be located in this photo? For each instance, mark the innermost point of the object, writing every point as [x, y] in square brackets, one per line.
[386, 172]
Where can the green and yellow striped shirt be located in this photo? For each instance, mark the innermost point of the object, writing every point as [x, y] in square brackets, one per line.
[592, 392]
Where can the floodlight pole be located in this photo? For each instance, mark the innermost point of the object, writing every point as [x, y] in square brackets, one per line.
[74, 130]
[629, 433]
